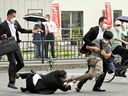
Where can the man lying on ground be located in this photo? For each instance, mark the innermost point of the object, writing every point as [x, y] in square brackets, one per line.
[46, 84]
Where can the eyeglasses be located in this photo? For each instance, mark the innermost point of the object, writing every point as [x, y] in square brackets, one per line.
[118, 25]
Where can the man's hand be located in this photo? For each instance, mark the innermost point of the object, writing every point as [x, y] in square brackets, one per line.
[39, 30]
[93, 48]
[96, 49]
[66, 84]
[74, 81]
[4, 36]
[103, 53]
[34, 31]
[126, 43]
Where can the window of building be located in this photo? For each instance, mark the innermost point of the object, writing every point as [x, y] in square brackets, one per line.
[70, 19]
[116, 13]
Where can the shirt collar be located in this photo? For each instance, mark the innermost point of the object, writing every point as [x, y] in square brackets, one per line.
[101, 29]
[9, 23]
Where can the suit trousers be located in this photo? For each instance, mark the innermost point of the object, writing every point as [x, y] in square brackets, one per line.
[50, 36]
[15, 64]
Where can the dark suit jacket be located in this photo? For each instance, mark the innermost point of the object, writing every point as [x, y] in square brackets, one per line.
[5, 29]
[43, 28]
[88, 37]
[50, 83]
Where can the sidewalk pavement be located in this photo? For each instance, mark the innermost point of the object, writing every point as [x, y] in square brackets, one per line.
[38, 66]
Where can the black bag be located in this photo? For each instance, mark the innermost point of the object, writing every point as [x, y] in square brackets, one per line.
[8, 45]
[83, 50]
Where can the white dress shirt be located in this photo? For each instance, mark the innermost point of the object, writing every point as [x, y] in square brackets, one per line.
[52, 28]
[100, 34]
[35, 78]
[12, 29]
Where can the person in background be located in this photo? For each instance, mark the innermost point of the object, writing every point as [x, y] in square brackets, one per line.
[10, 27]
[46, 84]
[38, 36]
[117, 48]
[51, 28]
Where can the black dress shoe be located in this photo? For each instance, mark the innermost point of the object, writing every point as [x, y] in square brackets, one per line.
[98, 90]
[10, 85]
[23, 89]
[77, 89]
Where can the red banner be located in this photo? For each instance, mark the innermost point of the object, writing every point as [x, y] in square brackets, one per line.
[108, 13]
[56, 14]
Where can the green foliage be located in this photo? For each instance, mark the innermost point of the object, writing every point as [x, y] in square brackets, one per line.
[60, 52]
[74, 32]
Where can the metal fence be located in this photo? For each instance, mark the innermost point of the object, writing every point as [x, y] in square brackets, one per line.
[64, 49]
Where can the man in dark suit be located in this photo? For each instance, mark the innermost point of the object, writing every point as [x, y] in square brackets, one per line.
[46, 84]
[11, 27]
[94, 33]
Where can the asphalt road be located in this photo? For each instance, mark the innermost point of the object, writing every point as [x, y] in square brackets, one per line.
[118, 87]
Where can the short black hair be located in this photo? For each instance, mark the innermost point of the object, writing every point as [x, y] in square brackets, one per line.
[107, 35]
[101, 19]
[62, 73]
[10, 11]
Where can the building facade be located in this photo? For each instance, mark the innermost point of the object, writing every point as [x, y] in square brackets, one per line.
[24, 7]
[82, 14]
[85, 13]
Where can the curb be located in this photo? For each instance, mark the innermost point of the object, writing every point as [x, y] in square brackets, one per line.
[40, 67]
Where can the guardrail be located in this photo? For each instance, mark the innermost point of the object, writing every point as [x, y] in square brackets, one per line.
[64, 49]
